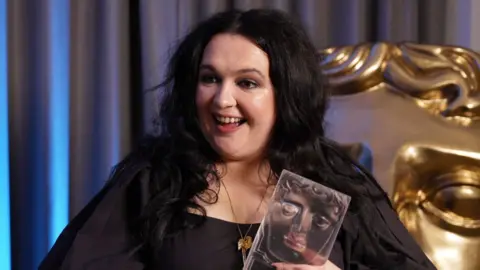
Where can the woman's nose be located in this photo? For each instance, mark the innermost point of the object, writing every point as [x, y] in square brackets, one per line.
[224, 97]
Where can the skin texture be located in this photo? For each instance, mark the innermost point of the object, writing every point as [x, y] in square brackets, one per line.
[234, 82]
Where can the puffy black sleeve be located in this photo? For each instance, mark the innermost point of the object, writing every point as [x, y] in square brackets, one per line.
[98, 237]
[390, 233]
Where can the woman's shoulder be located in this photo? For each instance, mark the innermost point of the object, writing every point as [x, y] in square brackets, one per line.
[102, 226]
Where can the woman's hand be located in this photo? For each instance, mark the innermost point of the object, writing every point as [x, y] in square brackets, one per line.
[317, 262]
[287, 266]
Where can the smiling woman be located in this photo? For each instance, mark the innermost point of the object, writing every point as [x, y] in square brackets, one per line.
[235, 100]
[244, 100]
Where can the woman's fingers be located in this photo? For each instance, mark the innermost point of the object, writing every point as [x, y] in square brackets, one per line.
[288, 266]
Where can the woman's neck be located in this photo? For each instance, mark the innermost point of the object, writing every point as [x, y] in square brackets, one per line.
[245, 188]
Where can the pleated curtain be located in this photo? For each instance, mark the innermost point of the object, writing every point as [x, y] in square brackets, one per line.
[74, 76]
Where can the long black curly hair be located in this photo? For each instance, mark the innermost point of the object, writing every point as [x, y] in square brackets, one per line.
[181, 157]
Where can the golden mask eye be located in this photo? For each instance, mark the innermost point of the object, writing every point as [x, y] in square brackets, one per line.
[289, 209]
[456, 204]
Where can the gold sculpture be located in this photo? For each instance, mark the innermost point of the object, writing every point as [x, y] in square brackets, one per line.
[440, 79]
[417, 107]
[437, 196]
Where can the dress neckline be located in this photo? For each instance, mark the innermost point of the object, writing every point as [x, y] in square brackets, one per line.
[219, 220]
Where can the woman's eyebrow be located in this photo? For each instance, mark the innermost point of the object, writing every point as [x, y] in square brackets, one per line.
[240, 71]
[207, 66]
[248, 70]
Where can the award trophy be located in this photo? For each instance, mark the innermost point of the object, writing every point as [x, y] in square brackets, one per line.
[301, 224]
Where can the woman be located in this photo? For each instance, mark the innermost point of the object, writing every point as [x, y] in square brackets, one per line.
[244, 99]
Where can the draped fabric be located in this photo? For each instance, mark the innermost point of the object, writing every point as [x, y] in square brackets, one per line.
[74, 75]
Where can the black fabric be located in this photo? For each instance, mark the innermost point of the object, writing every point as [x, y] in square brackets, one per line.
[213, 246]
[99, 238]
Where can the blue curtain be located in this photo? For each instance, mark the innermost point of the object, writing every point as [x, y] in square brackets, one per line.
[72, 99]
[4, 159]
[70, 104]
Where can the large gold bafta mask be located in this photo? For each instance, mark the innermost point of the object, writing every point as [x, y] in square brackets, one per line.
[417, 107]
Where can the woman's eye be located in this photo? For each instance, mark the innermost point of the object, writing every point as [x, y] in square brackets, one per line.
[289, 209]
[247, 84]
[209, 79]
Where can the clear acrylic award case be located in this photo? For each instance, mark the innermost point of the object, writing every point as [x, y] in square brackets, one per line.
[301, 224]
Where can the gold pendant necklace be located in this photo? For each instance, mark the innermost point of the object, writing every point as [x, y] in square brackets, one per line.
[245, 242]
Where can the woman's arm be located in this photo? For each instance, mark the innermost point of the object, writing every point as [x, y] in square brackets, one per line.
[393, 237]
[98, 235]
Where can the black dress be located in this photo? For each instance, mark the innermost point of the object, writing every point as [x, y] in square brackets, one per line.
[98, 237]
[213, 246]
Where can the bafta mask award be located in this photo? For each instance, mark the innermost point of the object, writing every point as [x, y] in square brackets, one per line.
[417, 108]
[301, 224]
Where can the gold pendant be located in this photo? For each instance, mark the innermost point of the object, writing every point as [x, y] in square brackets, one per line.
[245, 243]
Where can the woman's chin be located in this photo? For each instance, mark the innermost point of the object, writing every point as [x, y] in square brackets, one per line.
[230, 151]
[229, 154]
[236, 150]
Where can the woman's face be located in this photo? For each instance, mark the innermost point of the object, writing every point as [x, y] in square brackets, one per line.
[235, 97]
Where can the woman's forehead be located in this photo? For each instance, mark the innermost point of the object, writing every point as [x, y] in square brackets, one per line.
[234, 52]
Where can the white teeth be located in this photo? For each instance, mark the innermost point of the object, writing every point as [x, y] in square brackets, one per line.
[227, 120]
